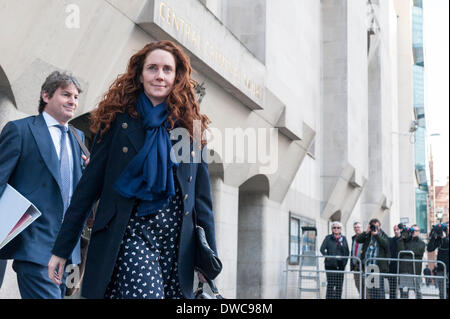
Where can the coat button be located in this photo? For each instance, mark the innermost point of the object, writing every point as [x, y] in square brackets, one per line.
[190, 179]
[124, 125]
[186, 196]
[125, 149]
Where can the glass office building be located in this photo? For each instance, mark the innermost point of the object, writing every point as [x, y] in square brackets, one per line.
[420, 150]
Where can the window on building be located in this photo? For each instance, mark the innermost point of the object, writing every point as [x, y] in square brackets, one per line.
[302, 239]
[418, 56]
[308, 240]
[294, 240]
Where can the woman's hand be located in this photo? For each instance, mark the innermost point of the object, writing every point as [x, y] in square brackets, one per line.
[56, 269]
[201, 278]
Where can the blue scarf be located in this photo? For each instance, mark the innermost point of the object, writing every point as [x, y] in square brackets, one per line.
[149, 175]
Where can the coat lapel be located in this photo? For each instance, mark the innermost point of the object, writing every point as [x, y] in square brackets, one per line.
[45, 145]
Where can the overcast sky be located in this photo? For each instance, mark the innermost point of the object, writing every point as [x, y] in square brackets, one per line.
[436, 52]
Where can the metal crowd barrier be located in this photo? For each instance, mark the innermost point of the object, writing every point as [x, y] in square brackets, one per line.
[308, 279]
[404, 285]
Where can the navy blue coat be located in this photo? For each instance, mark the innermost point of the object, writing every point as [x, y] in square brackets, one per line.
[109, 157]
[30, 164]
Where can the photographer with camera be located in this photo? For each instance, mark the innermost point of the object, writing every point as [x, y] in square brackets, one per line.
[439, 241]
[375, 245]
[410, 241]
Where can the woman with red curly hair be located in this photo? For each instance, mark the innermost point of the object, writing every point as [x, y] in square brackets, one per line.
[142, 243]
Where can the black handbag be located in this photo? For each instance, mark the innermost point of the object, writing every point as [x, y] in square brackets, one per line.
[200, 294]
[206, 260]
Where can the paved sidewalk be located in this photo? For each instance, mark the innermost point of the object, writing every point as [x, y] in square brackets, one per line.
[9, 289]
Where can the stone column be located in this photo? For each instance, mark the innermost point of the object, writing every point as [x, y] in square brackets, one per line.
[225, 206]
[344, 121]
[250, 265]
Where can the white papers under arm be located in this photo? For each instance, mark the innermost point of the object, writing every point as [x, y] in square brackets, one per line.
[16, 214]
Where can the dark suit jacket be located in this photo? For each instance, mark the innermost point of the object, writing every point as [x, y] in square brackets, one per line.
[393, 247]
[417, 246]
[354, 263]
[109, 157]
[29, 163]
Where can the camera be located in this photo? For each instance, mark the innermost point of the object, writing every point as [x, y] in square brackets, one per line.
[407, 232]
[438, 229]
[373, 228]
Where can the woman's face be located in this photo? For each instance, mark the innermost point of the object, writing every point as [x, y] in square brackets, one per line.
[158, 75]
[336, 230]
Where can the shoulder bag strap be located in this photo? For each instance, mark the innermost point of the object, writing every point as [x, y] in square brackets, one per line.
[77, 137]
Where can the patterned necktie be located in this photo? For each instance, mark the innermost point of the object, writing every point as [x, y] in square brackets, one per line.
[64, 167]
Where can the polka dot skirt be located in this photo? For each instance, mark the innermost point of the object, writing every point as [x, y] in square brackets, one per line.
[147, 266]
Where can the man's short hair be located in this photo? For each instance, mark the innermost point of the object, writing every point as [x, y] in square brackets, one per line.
[54, 81]
[356, 223]
[374, 221]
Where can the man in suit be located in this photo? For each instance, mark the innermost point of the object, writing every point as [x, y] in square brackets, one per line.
[40, 158]
[355, 264]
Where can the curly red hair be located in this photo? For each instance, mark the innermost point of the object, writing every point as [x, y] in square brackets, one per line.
[123, 92]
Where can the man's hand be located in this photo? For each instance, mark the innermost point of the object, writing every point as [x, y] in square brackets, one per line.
[56, 263]
[85, 159]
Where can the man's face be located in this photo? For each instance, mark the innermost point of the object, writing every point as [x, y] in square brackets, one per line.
[62, 104]
[397, 231]
[358, 229]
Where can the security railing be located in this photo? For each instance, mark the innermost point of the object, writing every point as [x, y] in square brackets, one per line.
[404, 284]
[311, 279]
